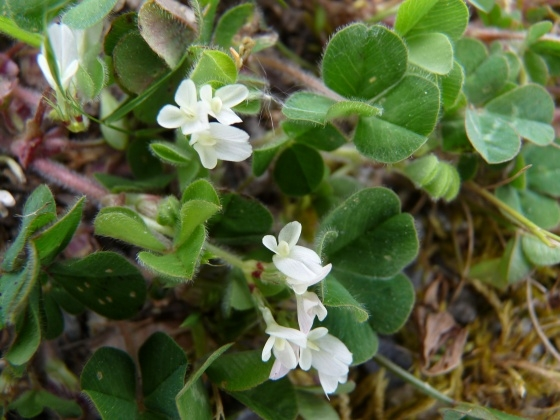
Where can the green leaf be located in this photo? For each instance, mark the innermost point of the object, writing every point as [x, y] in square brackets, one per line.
[50, 242]
[32, 403]
[15, 288]
[167, 34]
[136, 65]
[52, 317]
[410, 114]
[348, 108]
[536, 67]
[38, 211]
[470, 53]
[537, 30]
[541, 210]
[116, 139]
[336, 296]
[104, 282]
[388, 301]
[427, 16]
[243, 220]
[163, 365]
[192, 401]
[28, 332]
[263, 156]
[201, 189]
[358, 337]
[362, 62]
[214, 66]
[439, 179]
[239, 371]
[231, 22]
[431, 51]
[10, 28]
[193, 215]
[143, 163]
[205, 11]
[312, 407]
[30, 15]
[485, 5]
[170, 153]
[539, 253]
[87, 13]
[299, 170]
[237, 295]
[308, 107]
[180, 265]
[326, 138]
[544, 173]
[529, 110]
[90, 79]
[451, 85]
[116, 184]
[489, 271]
[487, 80]
[272, 400]
[514, 265]
[494, 138]
[374, 238]
[109, 380]
[125, 224]
[120, 26]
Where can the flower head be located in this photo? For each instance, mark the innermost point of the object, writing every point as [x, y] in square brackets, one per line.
[219, 106]
[309, 306]
[221, 142]
[66, 57]
[297, 262]
[191, 115]
[328, 355]
[284, 343]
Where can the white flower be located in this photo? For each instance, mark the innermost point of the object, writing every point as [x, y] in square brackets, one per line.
[284, 342]
[221, 142]
[328, 355]
[219, 106]
[300, 286]
[191, 115]
[66, 57]
[297, 262]
[309, 306]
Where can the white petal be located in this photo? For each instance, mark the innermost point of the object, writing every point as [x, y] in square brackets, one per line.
[232, 95]
[293, 268]
[290, 233]
[226, 132]
[64, 47]
[171, 117]
[207, 156]
[186, 94]
[227, 117]
[232, 151]
[290, 334]
[44, 66]
[336, 347]
[68, 73]
[193, 126]
[267, 350]
[206, 93]
[305, 319]
[305, 359]
[326, 363]
[270, 242]
[328, 382]
[317, 333]
[298, 287]
[310, 257]
[7, 199]
[278, 370]
[287, 356]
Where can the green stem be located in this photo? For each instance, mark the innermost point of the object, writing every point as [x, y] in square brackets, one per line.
[413, 380]
[226, 256]
[539, 232]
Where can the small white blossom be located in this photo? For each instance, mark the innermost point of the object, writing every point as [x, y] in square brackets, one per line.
[297, 262]
[191, 114]
[219, 106]
[300, 286]
[221, 142]
[309, 306]
[329, 356]
[284, 343]
[65, 52]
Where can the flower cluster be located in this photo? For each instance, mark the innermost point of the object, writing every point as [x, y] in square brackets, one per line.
[306, 347]
[211, 140]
